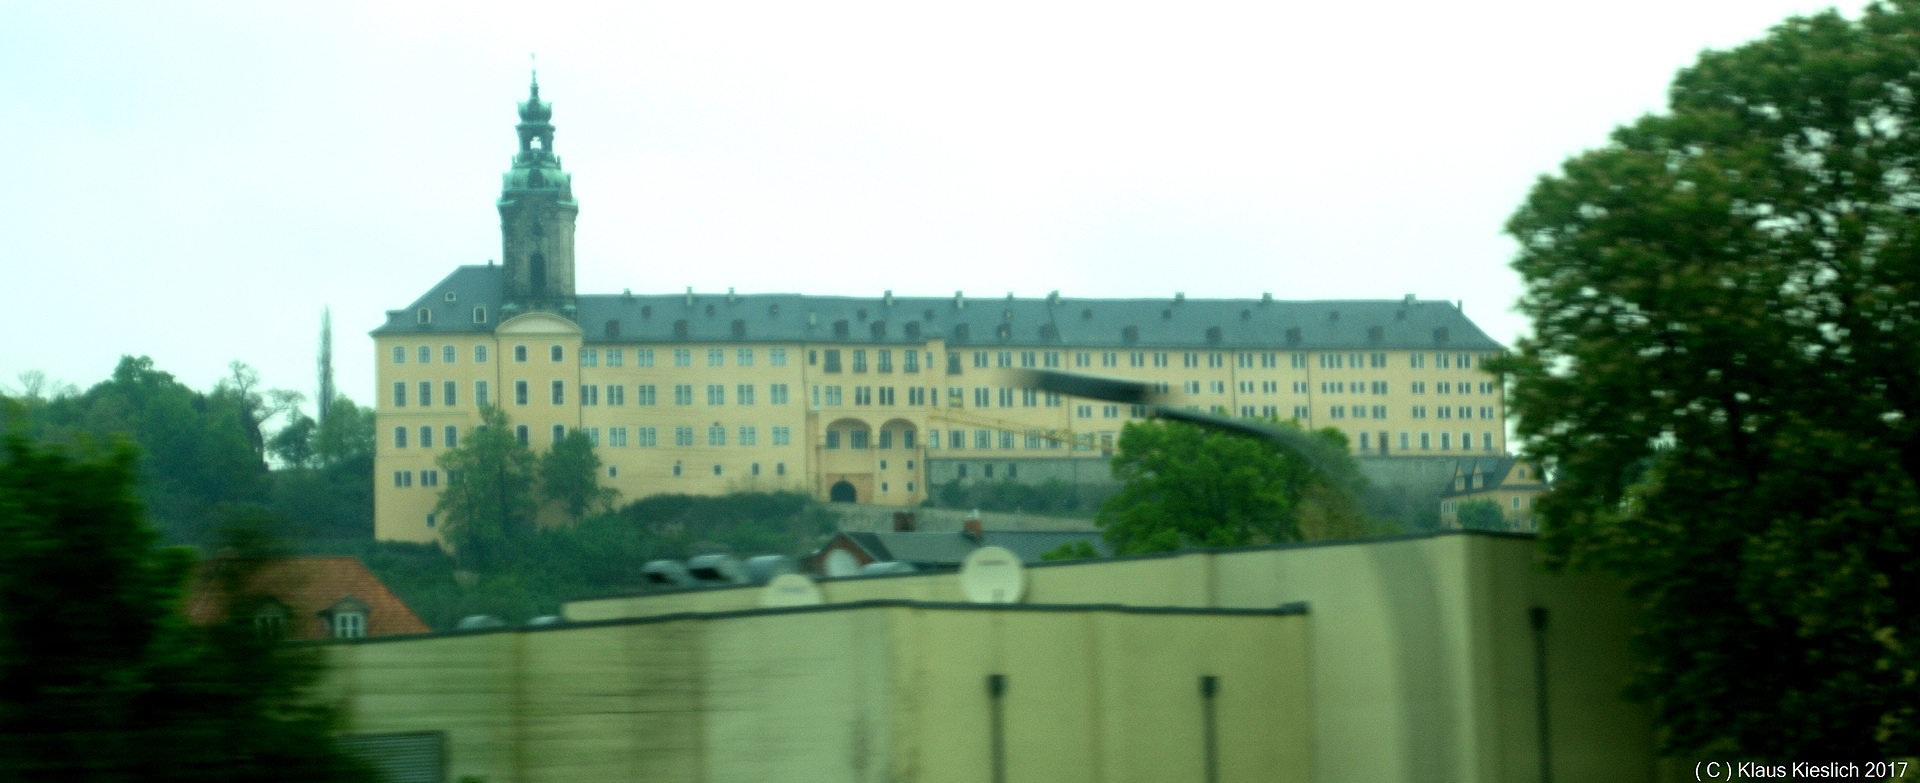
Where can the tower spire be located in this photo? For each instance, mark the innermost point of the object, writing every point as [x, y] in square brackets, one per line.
[536, 213]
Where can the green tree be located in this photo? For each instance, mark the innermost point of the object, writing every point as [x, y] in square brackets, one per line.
[326, 490]
[1184, 485]
[488, 500]
[196, 450]
[100, 677]
[345, 435]
[293, 444]
[1072, 550]
[241, 391]
[570, 476]
[1480, 515]
[1722, 379]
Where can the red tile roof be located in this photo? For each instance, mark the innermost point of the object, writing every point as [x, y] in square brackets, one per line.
[308, 586]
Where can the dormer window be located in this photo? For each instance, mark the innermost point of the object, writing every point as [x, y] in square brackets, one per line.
[346, 618]
[270, 621]
[349, 625]
[424, 316]
[480, 315]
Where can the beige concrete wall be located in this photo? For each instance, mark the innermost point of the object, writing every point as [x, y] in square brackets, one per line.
[870, 693]
[1103, 696]
[1423, 649]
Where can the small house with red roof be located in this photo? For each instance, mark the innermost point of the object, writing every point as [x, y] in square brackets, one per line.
[311, 598]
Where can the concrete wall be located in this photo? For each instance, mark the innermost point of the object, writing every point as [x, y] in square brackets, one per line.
[1422, 647]
[886, 692]
[863, 518]
[1090, 471]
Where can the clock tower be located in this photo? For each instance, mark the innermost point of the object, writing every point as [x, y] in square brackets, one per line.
[537, 211]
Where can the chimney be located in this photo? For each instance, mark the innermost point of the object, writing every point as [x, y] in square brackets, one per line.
[729, 294]
[888, 297]
[902, 521]
[1179, 296]
[971, 530]
[959, 300]
[689, 296]
[1053, 297]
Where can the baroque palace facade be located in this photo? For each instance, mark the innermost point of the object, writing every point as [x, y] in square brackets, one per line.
[850, 398]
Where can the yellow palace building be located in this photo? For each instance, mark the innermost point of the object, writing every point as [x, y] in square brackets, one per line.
[865, 399]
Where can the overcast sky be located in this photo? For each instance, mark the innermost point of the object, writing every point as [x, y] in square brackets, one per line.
[195, 181]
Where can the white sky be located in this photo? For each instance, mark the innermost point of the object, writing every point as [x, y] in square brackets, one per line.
[195, 181]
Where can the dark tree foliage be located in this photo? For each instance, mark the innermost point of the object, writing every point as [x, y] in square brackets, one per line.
[742, 524]
[570, 476]
[1072, 550]
[293, 444]
[100, 677]
[326, 491]
[601, 555]
[488, 501]
[1189, 486]
[197, 451]
[1723, 379]
[344, 436]
[1480, 515]
[200, 451]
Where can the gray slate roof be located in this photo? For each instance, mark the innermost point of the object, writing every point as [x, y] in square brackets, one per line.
[1378, 324]
[935, 550]
[1495, 469]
